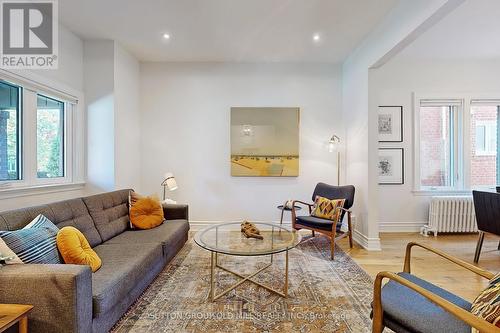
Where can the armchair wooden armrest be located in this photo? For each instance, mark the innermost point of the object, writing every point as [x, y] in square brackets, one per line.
[309, 205]
[294, 213]
[459, 262]
[467, 317]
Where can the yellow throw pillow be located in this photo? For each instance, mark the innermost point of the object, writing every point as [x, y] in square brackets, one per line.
[146, 213]
[328, 209]
[75, 249]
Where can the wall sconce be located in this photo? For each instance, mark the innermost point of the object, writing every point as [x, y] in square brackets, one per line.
[168, 182]
[334, 145]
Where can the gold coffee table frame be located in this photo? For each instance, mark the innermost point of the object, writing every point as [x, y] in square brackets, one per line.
[226, 238]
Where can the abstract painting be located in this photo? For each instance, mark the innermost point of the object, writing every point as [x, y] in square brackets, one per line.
[265, 141]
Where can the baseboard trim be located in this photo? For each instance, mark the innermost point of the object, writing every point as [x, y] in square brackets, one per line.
[370, 244]
[401, 226]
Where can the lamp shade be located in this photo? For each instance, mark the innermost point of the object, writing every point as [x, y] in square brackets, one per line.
[334, 143]
[169, 181]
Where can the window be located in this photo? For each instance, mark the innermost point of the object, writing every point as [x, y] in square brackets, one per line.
[10, 102]
[39, 141]
[456, 144]
[438, 143]
[50, 137]
[483, 158]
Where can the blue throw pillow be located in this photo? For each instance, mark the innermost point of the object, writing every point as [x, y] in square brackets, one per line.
[35, 243]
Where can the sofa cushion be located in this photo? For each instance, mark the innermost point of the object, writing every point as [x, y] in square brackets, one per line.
[64, 213]
[123, 267]
[35, 243]
[327, 209]
[487, 304]
[75, 249]
[146, 212]
[169, 233]
[109, 212]
[415, 313]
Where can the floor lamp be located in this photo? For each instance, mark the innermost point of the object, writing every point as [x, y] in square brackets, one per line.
[333, 145]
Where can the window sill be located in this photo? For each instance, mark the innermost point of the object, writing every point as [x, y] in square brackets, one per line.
[14, 192]
[436, 193]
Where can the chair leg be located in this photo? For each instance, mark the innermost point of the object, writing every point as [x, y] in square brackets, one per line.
[332, 247]
[313, 233]
[478, 247]
[349, 226]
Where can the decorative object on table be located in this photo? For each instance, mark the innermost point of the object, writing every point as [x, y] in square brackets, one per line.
[409, 304]
[75, 249]
[11, 314]
[145, 212]
[250, 230]
[390, 124]
[330, 228]
[265, 141]
[487, 216]
[35, 243]
[287, 206]
[170, 183]
[390, 166]
[334, 146]
[219, 239]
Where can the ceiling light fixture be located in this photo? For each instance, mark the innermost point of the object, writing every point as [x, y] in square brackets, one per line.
[316, 37]
[166, 36]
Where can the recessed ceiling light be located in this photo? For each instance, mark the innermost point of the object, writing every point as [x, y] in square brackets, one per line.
[316, 37]
[166, 36]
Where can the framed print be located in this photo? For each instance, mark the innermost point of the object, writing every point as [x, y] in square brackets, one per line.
[265, 141]
[390, 124]
[390, 166]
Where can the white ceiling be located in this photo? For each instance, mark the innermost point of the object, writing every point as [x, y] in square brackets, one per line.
[228, 30]
[471, 31]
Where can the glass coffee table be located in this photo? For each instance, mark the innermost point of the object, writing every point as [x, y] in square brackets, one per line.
[227, 239]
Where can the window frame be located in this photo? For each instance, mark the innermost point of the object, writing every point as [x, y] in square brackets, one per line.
[73, 137]
[456, 127]
[463, 148]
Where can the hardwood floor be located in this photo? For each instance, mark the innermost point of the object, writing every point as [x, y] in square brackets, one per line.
[431, 267]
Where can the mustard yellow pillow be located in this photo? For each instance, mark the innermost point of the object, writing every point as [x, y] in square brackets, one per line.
[75, 249]
[328, 209]
[146, 213]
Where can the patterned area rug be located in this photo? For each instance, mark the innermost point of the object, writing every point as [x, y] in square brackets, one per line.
[324, 295]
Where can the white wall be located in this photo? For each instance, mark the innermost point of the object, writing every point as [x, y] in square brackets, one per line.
[393, 84]
[100, 101]
[69, 76]
[186, 129]
[127, 116]
[402, 25]
[112, 95]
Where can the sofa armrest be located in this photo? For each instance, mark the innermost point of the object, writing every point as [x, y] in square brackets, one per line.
[61, 295]
[176, 212]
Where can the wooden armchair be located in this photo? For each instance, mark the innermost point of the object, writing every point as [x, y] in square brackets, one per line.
[409, 304]
[329, 228]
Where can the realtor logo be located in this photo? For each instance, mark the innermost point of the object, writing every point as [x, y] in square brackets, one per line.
[29, 34]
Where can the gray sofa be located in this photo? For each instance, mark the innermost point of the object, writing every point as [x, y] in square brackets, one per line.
[70, 298]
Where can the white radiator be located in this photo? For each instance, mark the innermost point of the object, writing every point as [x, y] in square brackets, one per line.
[451, 214]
